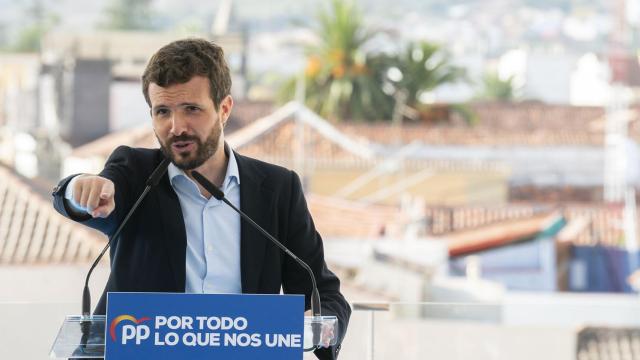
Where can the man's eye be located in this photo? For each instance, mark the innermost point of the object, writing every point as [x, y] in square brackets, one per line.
[193, 108]
[161, 112]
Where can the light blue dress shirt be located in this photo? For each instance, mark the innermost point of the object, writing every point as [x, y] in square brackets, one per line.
[213, 232]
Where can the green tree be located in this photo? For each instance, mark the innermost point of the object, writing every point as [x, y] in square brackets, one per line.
[413, 75]
[341, 80]
[38, 22]
[421, 68]
[128, 15]
[495, 88]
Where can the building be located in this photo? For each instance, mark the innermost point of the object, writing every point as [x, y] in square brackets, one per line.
[42, 254]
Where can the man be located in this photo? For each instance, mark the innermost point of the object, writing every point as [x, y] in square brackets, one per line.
[181, 239]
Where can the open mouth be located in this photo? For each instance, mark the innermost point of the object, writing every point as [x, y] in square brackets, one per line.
[183, 145]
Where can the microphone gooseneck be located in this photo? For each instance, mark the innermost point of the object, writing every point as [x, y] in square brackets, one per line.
[152, 181]
[218, 194]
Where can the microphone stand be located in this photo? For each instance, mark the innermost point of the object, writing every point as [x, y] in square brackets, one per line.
[152, 181]
[315, 295]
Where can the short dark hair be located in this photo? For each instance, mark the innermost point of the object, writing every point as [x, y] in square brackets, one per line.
[179, 61]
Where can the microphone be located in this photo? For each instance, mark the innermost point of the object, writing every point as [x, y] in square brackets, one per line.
[153, 180]
[218, 194]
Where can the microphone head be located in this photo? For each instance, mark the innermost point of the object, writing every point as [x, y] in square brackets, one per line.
[157, 174]
[208, 185]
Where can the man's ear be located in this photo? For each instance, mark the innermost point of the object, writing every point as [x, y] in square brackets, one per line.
[225, 109]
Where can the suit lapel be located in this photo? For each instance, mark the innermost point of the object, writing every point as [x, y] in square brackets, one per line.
[256, 202]
[175, 235]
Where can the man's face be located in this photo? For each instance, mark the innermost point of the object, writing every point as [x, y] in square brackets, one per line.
[186, 122]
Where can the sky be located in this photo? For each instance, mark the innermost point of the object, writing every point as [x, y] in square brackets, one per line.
[83, 15]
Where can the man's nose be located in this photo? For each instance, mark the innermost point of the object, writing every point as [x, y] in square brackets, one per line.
[178, 125]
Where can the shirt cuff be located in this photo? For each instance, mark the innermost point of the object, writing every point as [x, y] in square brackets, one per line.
[68, 195]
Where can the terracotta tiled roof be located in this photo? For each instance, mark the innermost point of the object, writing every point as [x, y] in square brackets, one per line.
[521, 124]
[335, 217]
[246, 112]
[386, 133]
[324, 144]
[279, 146]
[589, 224]
[599, 343]
[600, 224]
[498, 234]
[142, 136]
[555, 194]
[528, 116]
[476, 228]
[445, 219]
[32, 232]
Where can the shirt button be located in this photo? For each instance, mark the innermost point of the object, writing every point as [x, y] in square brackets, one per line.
[209, 248]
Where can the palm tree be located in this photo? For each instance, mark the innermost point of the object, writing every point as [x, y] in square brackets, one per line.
[341, 80]
[497, 89]
[415, 73]
[421, 68]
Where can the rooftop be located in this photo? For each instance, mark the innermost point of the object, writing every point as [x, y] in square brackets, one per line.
[32, 232]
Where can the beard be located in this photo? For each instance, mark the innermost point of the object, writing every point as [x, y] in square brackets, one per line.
[192, 159]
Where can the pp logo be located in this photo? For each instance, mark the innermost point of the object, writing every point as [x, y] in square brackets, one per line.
[138, 331]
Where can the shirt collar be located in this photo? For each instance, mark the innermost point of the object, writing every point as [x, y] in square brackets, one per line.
[231, 174]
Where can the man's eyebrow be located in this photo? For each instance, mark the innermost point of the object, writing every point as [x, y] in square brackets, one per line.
[163, 106]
